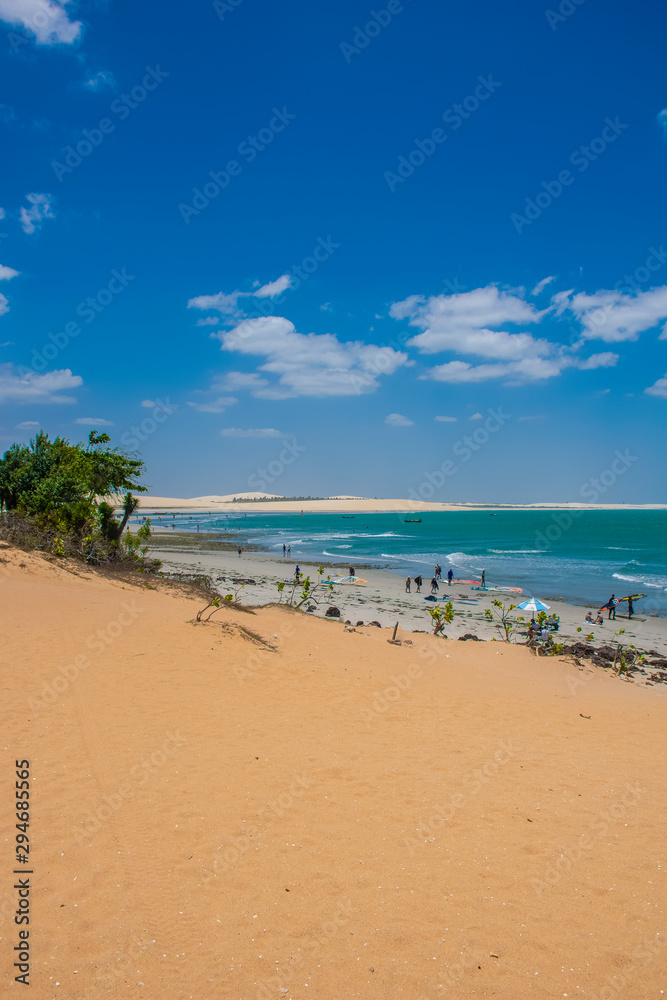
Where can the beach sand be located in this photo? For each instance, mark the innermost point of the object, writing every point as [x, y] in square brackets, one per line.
[225, 504]
[382, 598]
[333, 818]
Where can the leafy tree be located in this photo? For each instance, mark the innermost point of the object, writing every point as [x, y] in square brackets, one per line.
[59, 482]
[58, 490]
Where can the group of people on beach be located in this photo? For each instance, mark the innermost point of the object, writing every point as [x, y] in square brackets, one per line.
[437, 575]
[611, 606]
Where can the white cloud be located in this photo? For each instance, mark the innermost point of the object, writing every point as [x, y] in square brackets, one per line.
[4, 304]
[662, 119]
[208, 321]
[658, 388]
[541, 285]
[7, 273]
[27, 425]
[148, 403]
[274, 288]
[2, 213]
[466, 322]
[235, 381]
[41, 207]
[309, 364]
[33, 388]
[93, 422]
[256, 432]
[326, 307]
[517, 372]
[446, 420]
[476, 416]
[218, 405]
[604, 360]
[398, 420]
[47, 20]
[227, 304]
[530, 370]
[103, 79]
[613, 317]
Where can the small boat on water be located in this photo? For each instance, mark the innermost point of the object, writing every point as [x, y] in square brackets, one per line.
[412, 520]
[347, 515]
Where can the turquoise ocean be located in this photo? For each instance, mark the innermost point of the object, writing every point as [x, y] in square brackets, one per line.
[578, 556]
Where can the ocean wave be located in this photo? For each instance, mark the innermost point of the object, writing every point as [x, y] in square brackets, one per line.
[656, 582]
[511, 552]
[618, 548]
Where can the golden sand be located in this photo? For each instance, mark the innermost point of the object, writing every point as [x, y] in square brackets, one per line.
[337, 818]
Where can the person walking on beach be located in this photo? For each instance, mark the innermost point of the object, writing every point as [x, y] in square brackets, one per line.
[284, 550]
[289, 550]
[240, 550]
[484, 578]
[611, 604]
[450, 576]
[631, 608]
[407, 585]
[434, 586]
[297, 573]
[438, 571]
[418, 583]
[351, 569]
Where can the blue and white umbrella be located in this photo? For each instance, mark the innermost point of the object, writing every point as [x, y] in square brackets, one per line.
[532, 604]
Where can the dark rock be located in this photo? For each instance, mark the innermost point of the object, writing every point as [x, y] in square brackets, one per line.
[348, 622]
[469, 635]
[606, 652]
[660, 662]
[311, 607]
[600, 661]
[581, 650]
[377, 625]
[359, 623]
[332, 613]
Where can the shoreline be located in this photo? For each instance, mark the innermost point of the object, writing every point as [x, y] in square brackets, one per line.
[383, 598]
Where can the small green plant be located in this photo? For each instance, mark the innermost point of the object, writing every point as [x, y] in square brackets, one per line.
[502, 619]
[58, 547]
[441, 617]
[626, 657]
[310, 593]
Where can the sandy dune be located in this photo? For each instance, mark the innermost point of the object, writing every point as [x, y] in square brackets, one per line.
[337, 818]
[361, 504]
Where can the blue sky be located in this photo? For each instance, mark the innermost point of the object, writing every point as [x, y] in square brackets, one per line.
[248, 226]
